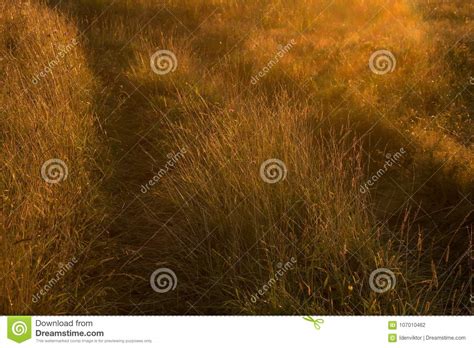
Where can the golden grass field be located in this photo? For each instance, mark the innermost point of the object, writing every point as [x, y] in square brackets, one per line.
[164, 169]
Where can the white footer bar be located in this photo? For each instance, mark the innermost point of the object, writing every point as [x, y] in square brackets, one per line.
[236, 331]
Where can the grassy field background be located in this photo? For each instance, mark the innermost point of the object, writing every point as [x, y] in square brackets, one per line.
[209, 217]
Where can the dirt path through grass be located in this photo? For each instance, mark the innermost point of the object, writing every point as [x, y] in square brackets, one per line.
[121, 107]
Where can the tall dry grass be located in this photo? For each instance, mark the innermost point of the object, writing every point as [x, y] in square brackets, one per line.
[45, 225]
[212, 219]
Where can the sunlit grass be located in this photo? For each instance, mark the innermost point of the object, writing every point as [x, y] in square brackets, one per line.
[212, 219]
